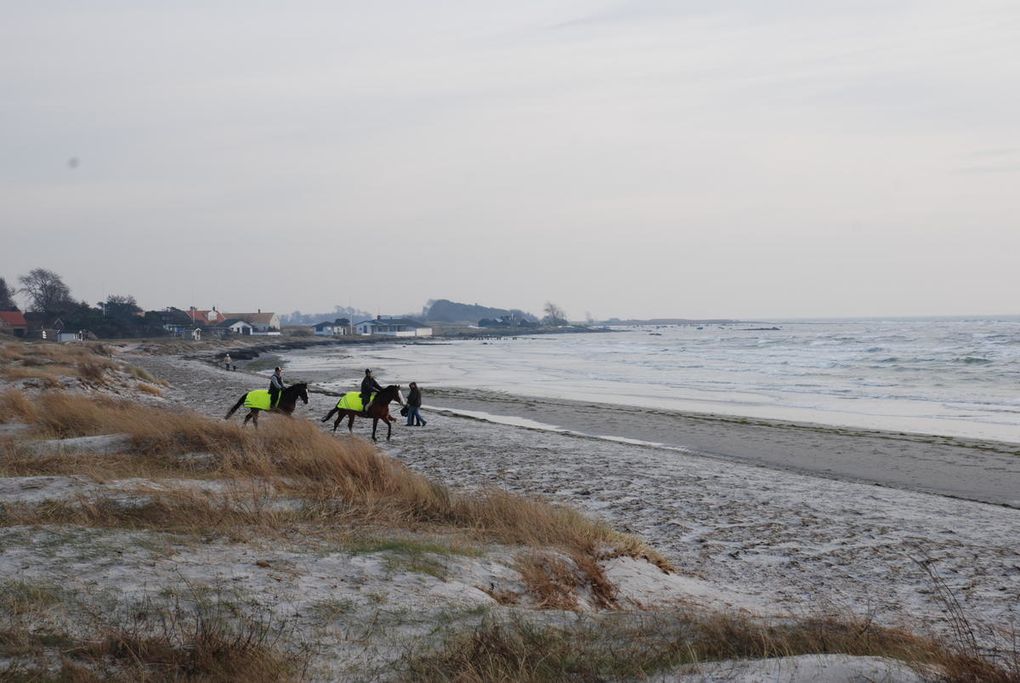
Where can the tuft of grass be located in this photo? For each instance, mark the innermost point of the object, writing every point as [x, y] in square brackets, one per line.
[627, 647]
[23, 597]
[331, 609]
[15, 407]
[207, 639]
[150, 389]
[141, 374]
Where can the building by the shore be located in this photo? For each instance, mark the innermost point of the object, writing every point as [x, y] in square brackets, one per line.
[262, 322]
[336, 328]
[393, 327]
[13, 323]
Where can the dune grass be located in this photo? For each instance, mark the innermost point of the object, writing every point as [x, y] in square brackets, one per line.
[203, 638]
[337, 480]
[615, 646]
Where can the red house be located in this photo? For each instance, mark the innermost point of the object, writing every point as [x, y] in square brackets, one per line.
[13, 322]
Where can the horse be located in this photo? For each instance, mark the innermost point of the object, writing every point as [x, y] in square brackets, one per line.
[379, 410]
[258, 400]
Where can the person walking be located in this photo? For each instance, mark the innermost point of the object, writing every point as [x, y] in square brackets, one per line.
[226, 361]
[368, 385]
[414, 406]
[276, 387]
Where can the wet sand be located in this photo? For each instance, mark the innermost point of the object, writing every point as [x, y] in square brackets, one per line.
[985, 471]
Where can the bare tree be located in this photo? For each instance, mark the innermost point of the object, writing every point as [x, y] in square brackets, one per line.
[46, 291]
[6, 297]
[554, 315]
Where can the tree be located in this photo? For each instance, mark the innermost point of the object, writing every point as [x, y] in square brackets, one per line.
[46, 291]
[554, 315]
[6, 297]
[117, 306]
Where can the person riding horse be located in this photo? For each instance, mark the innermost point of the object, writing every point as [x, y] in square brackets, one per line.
[276, 387]
[368, 385]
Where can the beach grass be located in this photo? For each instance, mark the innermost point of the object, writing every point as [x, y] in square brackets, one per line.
[621, 646]
[337, 481]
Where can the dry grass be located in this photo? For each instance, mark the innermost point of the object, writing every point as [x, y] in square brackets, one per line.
[339, 481]
[625, 647]
[203, 640]
[47, 363]
[15, 406]
[150, 389]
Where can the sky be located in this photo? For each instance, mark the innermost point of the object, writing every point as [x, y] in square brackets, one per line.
[651, 158]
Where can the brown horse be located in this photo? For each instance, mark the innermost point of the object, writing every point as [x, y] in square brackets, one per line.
[259, 401]
[379, 410]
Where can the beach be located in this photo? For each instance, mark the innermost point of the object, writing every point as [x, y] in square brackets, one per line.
[769, 517]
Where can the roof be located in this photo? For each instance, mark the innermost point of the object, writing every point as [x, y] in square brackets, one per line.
[202, 315]
[319, 326]
[254, 318]
[13, 318]
[233, 321]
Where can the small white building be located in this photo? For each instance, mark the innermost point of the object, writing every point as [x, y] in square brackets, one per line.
[393, 327]
[236, 326]
[263, 323]
[337, 328]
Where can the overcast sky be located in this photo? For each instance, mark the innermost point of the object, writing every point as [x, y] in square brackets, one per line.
[648, 158]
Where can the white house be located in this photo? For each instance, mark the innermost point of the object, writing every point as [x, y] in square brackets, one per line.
[393, 327]
[236, 326]
[262, 322]
[337, 328]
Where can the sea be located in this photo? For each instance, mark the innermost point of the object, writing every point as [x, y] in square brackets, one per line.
[947, 376]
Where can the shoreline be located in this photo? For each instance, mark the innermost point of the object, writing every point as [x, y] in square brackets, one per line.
[969, 469]
[981, 470]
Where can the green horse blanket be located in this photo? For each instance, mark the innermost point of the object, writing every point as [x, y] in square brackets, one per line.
[257, 398]
[351, 401]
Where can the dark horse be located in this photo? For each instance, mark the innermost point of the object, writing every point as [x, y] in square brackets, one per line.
[286, 404]
[379, 410]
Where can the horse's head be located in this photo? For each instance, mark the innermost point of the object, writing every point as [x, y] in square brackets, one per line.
[302, 391]
[392, 392]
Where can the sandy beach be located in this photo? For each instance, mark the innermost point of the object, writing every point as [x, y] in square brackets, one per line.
[774, 518]
[984, 471]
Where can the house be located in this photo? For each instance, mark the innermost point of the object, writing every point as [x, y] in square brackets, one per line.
[235, 326]
[337, 328]
[263, 323]
[176, 322]
[14, 323]
[393, 327]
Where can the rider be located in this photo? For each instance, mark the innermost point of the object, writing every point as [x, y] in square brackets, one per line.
[368, 385]
[276, 387]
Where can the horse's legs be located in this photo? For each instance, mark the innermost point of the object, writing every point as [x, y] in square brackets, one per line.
[375, 423]
[247, 417]
[389, 429]
[350, 423]
[255, 418]
[339, 419]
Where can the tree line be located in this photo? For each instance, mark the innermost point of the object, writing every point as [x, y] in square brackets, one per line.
[48, 299]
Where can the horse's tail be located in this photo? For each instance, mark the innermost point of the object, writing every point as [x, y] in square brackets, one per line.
[330, 414]
[240, 402]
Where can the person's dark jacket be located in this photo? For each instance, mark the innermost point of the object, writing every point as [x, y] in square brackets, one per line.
[368, 385]
[414, 398]
[275, 383]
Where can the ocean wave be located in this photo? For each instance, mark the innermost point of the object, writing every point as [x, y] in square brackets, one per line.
[973, 360]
